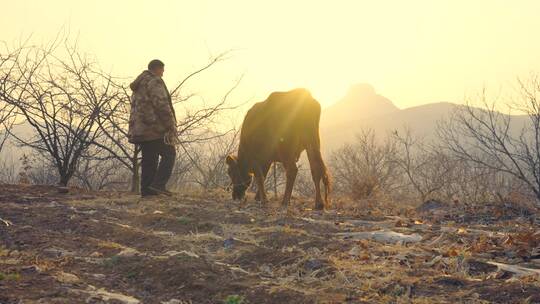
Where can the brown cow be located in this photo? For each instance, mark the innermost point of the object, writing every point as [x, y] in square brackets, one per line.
[278, 130]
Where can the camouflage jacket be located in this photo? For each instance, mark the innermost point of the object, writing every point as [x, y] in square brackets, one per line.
[152, 113]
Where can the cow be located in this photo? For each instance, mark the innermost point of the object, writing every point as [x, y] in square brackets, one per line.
[278, 129]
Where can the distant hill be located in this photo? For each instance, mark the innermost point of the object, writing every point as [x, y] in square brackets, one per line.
[363, 108]
[11, 149]
[360, 102]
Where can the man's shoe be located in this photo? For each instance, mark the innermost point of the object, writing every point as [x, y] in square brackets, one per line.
[149, 192]
[161, 191]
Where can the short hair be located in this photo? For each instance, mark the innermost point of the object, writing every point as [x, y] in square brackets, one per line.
[156, 63]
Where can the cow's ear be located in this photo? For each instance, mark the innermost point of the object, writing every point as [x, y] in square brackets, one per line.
[230, 160]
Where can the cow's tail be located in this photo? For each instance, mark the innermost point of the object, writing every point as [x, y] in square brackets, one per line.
[315, 145]
[327, 181]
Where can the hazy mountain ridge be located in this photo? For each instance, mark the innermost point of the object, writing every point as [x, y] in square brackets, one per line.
[361, 108]
[365, 109]
[360, 102]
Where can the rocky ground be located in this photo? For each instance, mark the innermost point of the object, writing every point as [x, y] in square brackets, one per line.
[110, 247]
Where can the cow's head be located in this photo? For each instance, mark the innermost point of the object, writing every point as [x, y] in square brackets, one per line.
[240, 177]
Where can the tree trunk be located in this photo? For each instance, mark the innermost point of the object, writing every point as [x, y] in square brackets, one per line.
[135, 177]
[64, 179]
[275, 181]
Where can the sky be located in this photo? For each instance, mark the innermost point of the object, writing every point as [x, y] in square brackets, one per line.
[413, 52]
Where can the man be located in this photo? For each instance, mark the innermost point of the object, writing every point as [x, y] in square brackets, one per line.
[152, 117]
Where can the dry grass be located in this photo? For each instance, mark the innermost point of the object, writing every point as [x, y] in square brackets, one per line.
[218, 248]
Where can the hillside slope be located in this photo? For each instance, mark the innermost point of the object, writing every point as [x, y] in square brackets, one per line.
[115, 248]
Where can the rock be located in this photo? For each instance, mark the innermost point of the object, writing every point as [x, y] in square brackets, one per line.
[383, 236]
[66, 278]
[355, 251]
[164, 233]
[128, 252]
[104, 295]
[52, 204]
[99, 276]
[96, 254]
[172, 301]
[266, 269]
[172, 253]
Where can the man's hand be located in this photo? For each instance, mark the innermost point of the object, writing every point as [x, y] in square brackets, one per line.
[172, 131]
[171, 137]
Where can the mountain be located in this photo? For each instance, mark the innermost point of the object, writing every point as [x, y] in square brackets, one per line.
[360, 102]
[363, 108]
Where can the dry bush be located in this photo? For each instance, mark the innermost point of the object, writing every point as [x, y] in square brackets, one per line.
[304, 183]
[95, 173]
[204, 162]
[365, 168]
[8, 170]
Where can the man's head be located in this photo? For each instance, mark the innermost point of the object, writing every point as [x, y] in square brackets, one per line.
[157, 67]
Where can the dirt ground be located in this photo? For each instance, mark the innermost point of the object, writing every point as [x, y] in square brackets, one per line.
[84, 247]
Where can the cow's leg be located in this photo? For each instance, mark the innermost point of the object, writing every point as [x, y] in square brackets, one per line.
[317, 171]
[291, 170]
[259, 178]
[264, 169]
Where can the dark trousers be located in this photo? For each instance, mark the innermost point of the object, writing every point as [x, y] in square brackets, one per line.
[154, 174]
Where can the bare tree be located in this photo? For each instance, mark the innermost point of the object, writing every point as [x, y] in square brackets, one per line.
[7, 74]
[490, 139]
[113, 122]
[60, 95]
